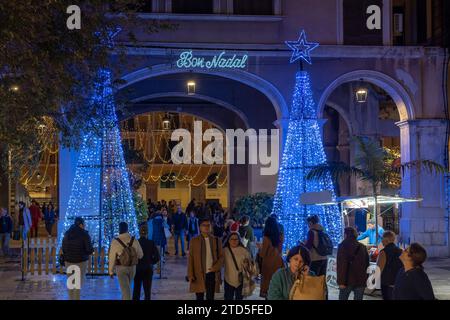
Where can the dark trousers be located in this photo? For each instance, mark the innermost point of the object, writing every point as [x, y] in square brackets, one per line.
[232, 293]
[358, 293]
[210, 285]
[143, 278]
[34, 231]
[319, 267]
[48, 227]
[387, 292]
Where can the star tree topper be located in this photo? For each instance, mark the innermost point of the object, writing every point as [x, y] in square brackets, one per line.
[301, 48]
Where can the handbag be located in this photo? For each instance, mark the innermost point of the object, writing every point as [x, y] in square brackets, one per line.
[308, 287]
[167, 233]
[249, 271]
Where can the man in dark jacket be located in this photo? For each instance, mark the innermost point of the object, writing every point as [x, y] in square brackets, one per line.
[352, 263]
[144, 268]
[180, 225]
[5, 231]
[76, 249]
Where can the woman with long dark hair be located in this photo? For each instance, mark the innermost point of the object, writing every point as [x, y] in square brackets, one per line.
[269, 256]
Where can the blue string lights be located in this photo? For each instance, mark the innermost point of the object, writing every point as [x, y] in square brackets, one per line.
[101, 192]
[303, 149]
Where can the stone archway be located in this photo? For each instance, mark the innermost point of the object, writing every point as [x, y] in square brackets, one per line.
[250, 79]
[397, 92]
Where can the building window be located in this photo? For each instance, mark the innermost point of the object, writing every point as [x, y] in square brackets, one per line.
[355, 23]
[192, 6]
[253, 7]
[167, 181]
[212, 181]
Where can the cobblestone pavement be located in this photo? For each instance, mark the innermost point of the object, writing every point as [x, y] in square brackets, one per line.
[171, 287]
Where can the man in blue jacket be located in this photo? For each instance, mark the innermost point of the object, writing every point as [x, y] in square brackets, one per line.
[371, 234]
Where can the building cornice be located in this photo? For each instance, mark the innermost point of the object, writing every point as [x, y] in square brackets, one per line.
[278, 50]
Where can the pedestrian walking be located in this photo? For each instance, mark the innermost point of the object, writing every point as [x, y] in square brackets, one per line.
[269, 256]
[319, 244]
[36, 216]
[124, 254]
[412, 282]
[218, 223]
[205, 263]
[6, 226]
[352, 263]
[389, 264]
[76, 249]
[247, 234]
[144, 268]
[49, 218]
[158, 234]
[24, 220]
[167, 222]
[179, 229]
[193, 227]
[234, 256]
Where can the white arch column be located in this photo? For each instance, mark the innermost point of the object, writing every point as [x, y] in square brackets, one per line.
[424, 222]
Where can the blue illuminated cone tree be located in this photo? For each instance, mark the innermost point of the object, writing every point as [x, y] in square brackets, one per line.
[101, 192]
[302, 150]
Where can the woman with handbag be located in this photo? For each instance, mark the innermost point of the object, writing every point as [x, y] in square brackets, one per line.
[297, 282]
[234, 256]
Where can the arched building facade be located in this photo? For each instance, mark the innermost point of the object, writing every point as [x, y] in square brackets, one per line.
[259, 95]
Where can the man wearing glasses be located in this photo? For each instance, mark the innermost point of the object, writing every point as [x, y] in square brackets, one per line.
[205, 262]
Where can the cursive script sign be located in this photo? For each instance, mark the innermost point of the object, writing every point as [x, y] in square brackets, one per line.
[188, 60]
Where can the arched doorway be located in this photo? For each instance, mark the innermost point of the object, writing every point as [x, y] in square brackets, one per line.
[373, 114]
[218, 98]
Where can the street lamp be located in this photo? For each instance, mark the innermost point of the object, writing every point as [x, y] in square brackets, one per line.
[191, 88]
[14, 88]
[166, 122]
[361, 93]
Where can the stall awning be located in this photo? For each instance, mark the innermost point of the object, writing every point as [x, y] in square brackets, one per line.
[366, 201]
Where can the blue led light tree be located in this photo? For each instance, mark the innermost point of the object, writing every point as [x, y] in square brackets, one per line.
[101, 192]
[303, 148]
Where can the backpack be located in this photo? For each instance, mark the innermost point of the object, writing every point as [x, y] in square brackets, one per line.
[325, 247]
[129, 256]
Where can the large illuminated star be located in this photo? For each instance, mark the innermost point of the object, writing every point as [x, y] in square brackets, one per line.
[301, 48]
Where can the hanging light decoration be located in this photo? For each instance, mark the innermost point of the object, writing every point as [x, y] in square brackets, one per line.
[166, 122]
[361, 93]
[191, 88]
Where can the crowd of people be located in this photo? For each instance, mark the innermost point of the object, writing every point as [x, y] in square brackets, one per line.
[220, 242]
[26, 219]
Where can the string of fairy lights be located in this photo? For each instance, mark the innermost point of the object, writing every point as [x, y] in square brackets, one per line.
[150, 140]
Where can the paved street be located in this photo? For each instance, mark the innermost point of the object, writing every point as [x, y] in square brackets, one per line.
[171, 287]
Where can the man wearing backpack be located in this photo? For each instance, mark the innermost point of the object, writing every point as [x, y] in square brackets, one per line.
[124, 254]
[319, 245]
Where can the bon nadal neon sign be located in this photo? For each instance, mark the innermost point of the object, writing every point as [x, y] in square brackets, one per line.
[188, 60]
